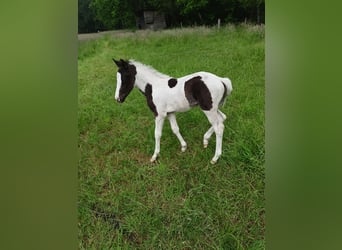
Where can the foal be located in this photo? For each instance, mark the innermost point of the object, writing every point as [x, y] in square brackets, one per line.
[166, 95]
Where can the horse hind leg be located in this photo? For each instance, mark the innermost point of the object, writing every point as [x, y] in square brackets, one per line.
[216, 120]
[223, 116]
[211, 130]
[207, 136]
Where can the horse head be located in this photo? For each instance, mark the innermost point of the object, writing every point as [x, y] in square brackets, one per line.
[125, 79]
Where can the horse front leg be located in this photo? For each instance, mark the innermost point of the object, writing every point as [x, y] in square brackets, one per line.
[159, 121]
[175, 130]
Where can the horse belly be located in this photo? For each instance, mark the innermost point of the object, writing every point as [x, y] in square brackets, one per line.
[178, 105]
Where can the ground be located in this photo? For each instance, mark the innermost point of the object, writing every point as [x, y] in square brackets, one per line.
[182, 202]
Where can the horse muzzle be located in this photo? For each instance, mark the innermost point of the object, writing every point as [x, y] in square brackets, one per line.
[119, 100]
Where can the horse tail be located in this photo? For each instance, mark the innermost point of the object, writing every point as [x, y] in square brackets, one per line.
[227, 84]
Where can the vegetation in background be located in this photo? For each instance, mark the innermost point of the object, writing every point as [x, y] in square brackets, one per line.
[182, 202]
[97, 15]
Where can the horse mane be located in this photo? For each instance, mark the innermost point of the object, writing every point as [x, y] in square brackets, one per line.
[148, 68]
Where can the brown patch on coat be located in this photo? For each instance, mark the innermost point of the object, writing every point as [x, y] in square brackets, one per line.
[172, 82]
[197, 93]
[149, 98]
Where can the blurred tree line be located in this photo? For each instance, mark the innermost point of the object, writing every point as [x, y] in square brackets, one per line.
[99, 15]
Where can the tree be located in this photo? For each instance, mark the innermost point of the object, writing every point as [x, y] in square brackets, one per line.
[118, 14]
[255, 5]
[193, 9]
[86, 17]
[114, 14]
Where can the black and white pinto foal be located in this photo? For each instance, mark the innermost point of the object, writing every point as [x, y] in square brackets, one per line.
[166, 95]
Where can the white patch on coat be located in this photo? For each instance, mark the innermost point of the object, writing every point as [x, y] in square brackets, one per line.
[170, 100]
[118, 86]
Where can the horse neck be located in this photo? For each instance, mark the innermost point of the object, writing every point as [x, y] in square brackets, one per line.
[147, 75]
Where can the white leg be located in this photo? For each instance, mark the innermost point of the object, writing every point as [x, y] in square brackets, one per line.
[175, 130]
[219, 136]
[207, 136]
[159, 121]
[211, 130]
[223, 116]
[216, 121]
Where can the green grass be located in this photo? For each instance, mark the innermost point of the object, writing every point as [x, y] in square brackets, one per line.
[182, 202]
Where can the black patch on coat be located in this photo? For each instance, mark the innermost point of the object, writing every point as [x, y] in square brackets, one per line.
[127, 72]
[197, 93]
[149, 98]
[172, 82]
[224, 94]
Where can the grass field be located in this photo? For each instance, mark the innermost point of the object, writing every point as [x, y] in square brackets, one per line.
[182, 202]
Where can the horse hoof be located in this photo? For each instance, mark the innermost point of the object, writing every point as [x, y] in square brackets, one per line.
[183, 148]
[213, 162]
[153, 159]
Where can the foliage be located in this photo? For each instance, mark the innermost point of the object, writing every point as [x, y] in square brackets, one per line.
[118, 14]
[114, 14]
[188, 6]
[86, 17]
[183, 202]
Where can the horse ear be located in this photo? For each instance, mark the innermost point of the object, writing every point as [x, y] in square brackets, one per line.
[124, 63]
[118, 63]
